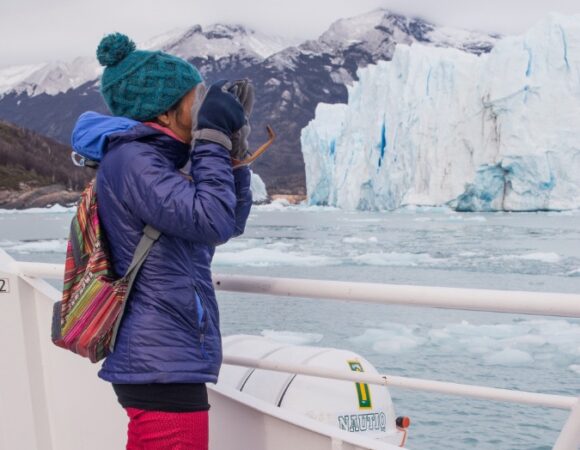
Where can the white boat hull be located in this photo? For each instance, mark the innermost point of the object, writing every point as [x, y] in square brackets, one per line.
[51, 399]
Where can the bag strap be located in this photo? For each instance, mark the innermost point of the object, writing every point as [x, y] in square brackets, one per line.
[150, 235]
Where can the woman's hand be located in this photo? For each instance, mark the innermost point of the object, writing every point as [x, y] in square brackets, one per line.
[221, 111]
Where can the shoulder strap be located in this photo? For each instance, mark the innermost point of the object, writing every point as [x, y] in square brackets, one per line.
[150, 235]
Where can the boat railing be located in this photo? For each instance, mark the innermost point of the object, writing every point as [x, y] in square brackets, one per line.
[516, 302]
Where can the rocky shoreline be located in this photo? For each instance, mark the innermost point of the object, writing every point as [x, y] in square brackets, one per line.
[292, 199]
[38, 197]
[57, 194]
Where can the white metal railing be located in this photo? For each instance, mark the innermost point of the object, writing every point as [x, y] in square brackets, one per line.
[537, 303]
[515, 302]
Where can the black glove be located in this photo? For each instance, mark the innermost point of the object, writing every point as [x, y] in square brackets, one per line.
[244, 91]
[220, 112]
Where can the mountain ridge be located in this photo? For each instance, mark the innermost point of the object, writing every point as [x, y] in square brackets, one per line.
[289, 82]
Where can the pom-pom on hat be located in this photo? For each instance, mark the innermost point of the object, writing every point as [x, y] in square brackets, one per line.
[142, 84]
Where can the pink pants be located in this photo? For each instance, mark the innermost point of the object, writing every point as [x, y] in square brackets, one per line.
[157, 430]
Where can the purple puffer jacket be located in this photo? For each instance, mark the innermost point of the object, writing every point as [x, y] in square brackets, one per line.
[170, 331]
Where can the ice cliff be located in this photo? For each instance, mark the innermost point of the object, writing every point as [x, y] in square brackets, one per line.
[439, 126]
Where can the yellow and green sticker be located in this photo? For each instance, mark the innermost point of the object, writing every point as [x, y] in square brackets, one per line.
[362, 389]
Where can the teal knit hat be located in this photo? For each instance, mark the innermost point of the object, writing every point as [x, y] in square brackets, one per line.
[142, 84]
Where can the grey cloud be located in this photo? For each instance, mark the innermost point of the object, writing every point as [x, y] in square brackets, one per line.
[36, 30]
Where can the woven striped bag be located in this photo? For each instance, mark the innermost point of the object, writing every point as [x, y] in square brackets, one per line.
[87, 318]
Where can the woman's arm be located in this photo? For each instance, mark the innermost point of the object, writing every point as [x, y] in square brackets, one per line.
[202, 210]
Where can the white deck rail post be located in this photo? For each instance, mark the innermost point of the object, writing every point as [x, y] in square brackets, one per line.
[569, 438]
[24, 418]
[50, 399]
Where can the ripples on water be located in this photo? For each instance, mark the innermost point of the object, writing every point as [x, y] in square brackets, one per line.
[538, 252]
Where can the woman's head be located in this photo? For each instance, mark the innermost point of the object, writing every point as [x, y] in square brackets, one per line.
[146, 85]
[179, 117]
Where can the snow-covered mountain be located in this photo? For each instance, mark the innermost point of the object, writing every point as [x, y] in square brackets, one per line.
[220, 41]
[215, 42]
[441, 126]
[290, 80]
[370, 30]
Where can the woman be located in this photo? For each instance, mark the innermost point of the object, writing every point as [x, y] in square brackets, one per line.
[169, 343]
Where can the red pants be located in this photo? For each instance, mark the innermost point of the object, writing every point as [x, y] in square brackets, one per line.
[156, 430]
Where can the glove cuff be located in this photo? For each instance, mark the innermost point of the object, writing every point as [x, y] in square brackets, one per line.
[208, 134]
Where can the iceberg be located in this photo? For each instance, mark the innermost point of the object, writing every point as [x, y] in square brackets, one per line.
[437, 126]
[258, 188]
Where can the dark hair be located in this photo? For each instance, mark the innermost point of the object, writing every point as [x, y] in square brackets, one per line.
[174, 107]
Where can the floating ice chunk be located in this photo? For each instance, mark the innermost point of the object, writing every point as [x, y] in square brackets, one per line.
[439, 334]
[42, 246]
[498, 331]
[422, 209]
[396, 259]
[547, 257]
[470, 254]
[258, 188]
[396, 344]
[468, 218]
[510, 344]
[303, 206]
[527, 340]
[292, 337]
[542, 339]
[452, 218]
[575, 368]
[395, 338]
[360, 220]
[50, 210]
[354, 240]
[240, 243]
[479, 345]
[264, 257]
[359, 240]
[509, 357]
[8, 244]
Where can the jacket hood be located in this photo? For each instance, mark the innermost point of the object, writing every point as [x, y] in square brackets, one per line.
[93, 133]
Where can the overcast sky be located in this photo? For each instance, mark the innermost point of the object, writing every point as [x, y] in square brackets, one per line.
[34, 31]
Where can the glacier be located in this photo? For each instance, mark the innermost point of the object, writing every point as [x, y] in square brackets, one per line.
[437, 126]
